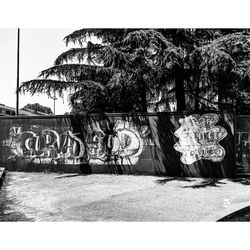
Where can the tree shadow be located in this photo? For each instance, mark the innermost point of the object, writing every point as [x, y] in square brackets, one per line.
[67, 176]
[210, 182]
[243, 181]
[166, 180]
[2, 179]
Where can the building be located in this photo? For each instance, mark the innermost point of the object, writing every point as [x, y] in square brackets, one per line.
[9, 111]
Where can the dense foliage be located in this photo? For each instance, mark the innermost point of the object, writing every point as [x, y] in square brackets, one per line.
[128, 70]
[38, 107]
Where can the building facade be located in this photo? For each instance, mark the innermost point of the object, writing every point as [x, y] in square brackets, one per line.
[9, 111]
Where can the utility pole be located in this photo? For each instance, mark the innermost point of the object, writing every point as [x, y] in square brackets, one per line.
[54, 103]
[17, 79]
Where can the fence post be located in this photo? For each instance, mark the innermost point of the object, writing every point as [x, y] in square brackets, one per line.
[235, 141]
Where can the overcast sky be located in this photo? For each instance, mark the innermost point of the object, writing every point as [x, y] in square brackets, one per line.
[38, 50]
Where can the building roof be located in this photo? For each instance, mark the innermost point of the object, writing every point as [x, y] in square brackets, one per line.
[27, 111]
[23, 111]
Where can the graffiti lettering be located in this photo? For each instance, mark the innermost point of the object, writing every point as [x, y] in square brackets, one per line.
[48, 146]
[199, 139]
[125, 144]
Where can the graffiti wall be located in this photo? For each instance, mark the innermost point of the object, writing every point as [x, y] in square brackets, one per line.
[162, 144]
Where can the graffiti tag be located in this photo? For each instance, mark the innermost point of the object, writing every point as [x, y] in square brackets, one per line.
[48, 146]
[124, 144]
[199, 138]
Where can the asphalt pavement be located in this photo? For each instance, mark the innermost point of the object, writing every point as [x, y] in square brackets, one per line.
[72, 197]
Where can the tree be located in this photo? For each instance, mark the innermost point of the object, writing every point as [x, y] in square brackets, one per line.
[122, 73]
[223, 72]
[136, 69]
[38, 107]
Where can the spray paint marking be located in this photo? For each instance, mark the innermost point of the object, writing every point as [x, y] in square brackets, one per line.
[199, 138]
[124, 144]
[48, 146]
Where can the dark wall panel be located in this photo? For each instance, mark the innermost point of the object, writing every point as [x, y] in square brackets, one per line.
[243, 145]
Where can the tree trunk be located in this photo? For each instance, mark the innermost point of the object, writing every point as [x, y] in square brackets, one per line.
[143, 96]
[220, 95]
[180, 92]
[197, 101]
[197, 93]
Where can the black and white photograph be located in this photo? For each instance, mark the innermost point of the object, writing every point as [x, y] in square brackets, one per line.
[132, 123]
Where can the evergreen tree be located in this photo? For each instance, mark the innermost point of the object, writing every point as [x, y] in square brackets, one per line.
[137, 69]
[120, 74]
[221, 69]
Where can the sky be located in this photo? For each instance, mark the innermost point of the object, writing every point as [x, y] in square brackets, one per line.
[38, 51]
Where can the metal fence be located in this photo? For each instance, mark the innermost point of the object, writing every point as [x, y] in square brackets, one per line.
[169, 144]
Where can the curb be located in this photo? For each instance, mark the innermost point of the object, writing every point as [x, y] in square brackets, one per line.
[2, 175]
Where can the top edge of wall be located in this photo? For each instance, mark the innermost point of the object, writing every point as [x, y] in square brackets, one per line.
[116, 114]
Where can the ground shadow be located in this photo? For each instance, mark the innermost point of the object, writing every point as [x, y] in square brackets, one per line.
[67, 176]
[6, 204]
[240, 215]
[210, 182]
[164, 181]
[2, 179]
[244, 181]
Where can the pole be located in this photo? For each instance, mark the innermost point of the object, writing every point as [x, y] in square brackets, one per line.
[54, 103]
[17, 81]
